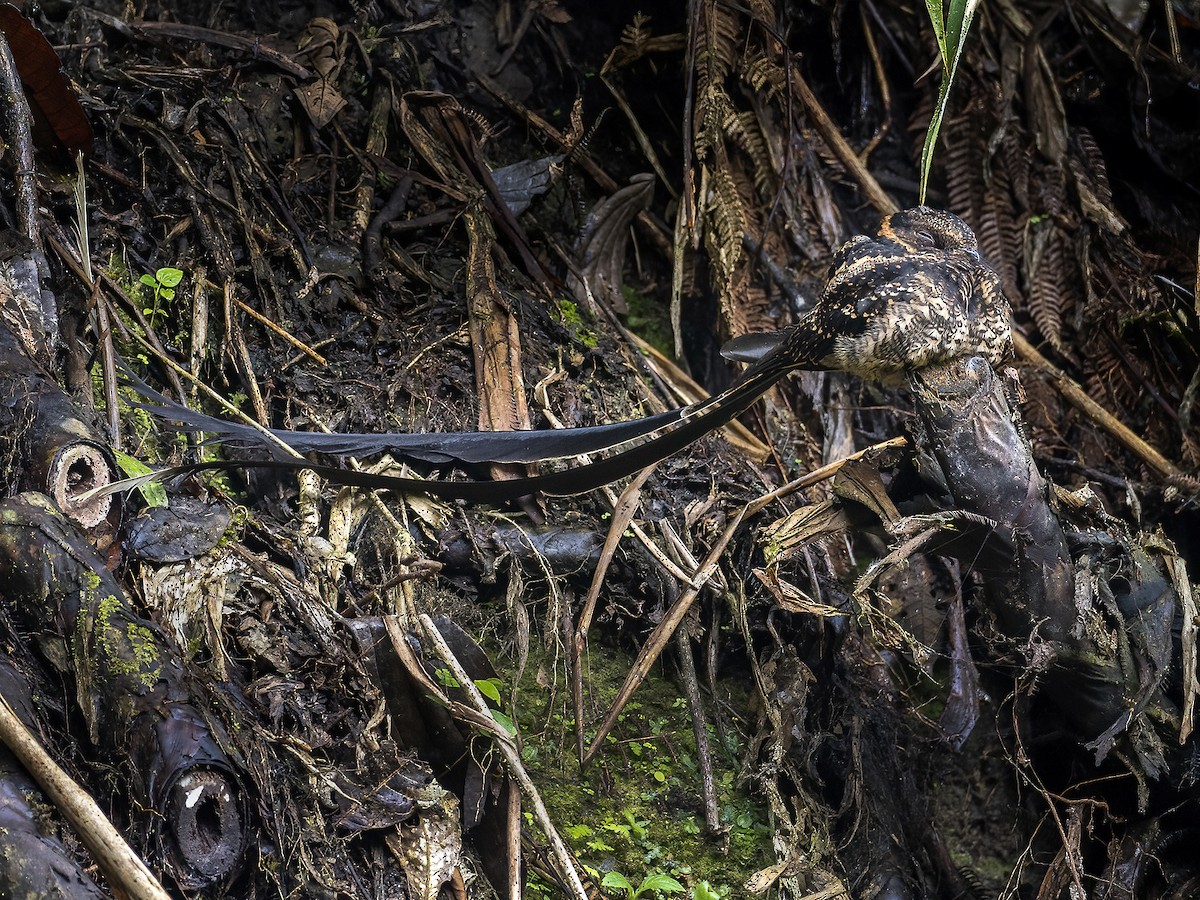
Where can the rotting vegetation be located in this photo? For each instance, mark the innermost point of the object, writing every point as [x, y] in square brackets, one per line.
[359, 200]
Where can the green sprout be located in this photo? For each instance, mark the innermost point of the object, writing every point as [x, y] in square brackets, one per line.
[163, 282]
[658, 883]
[154, 494]
[950, 26]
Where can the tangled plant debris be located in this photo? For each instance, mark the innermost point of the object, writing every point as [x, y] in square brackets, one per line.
[935, 640]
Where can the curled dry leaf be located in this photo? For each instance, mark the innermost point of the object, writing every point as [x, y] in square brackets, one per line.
[52, 99]
[319, 46]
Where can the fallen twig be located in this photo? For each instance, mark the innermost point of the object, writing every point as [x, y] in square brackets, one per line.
[1079, 398]
[662, 633]
[124, 869]
[479, 716]
[279, 330]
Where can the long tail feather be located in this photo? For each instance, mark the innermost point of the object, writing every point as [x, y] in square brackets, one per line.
[436, 447]
[690, 424]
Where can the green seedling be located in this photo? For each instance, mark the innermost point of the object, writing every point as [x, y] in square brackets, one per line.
[163, 283]
[950, 26]
[657, 883]
[154, 494]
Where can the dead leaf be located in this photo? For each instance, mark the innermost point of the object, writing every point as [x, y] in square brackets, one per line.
[50, 93]
[320, 100]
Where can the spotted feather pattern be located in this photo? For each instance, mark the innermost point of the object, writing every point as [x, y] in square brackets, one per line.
[916, 294]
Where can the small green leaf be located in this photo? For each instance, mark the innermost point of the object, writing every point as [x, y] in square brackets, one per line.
[936, 17]
[167, 294]
[489, 689]
[957, 23]
[505, 722]
[952, 37]
[153, 493]
[664, 884]
[169, 277]
[149, 281]
[616, 880]
[445, 677]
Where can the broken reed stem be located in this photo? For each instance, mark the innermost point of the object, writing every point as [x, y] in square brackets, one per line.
[687, 390]
[691, 689]
[279, 330]
[124, 870]
[213, 394]
[622, 516]
[878, 197]
[1080, 399]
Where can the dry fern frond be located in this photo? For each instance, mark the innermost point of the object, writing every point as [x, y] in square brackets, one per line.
[999, 232]
[765, 76]
[962, 162]
[716, 52]
[1107, 376]
[764, 12]
[635, 35]
[1051, 191]
[1093, 160]
[814, 221]
[487, 131]
[743, 129]
[1103, 371]
[811, 139]
[639, 41]
[978, 181]
[1090, 176]
[1015, 156]
[720, 38]
[711, 116]
[727, 214]
[1045, 263]
[744, 305]
[1053, 278]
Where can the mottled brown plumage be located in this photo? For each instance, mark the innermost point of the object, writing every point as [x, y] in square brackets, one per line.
[914, 294]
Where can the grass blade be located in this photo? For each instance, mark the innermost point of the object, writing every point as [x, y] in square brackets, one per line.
[951, 32]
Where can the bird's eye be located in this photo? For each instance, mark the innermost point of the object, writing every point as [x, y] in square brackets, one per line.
[926, 238]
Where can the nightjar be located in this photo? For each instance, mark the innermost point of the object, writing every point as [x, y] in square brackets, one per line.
[914, 294]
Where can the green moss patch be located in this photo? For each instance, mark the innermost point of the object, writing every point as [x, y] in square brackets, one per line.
[637, 810]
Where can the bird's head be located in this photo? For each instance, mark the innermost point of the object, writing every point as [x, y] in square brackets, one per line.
[925, 228]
